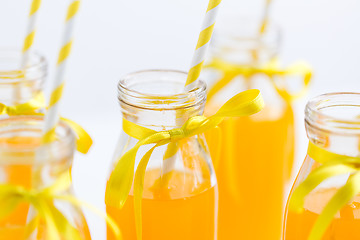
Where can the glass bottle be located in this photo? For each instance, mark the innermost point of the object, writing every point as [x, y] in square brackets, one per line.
[19, 84]
[257, 152]
[180, 194]
[332, 123]
[21, 165]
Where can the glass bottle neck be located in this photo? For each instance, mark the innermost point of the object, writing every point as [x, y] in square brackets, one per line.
[161, 119]
[25, 160]
[241, 43]
[20, 84]
[248, 52]
[156, 99]
[332, 122]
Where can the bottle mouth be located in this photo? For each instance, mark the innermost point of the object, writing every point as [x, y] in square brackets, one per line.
[20, 142]
[234, 35]
[12, 71]
[159, 90]
[335, 112]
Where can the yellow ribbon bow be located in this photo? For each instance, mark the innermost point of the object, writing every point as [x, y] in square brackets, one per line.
[57, 225]
[271, 69]
[122, 177]
[83, 139]
[332, 165]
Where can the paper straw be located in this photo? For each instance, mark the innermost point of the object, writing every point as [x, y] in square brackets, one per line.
[52, 114]
[202, 44]
[196, 66]
[265, 19]
[28, 42]
[30, 31]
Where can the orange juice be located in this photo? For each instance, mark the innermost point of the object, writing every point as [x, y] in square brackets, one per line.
[17, 174]
[255, 162]
[183, 210]
[13, 225]
[345, 225]
[80, 225]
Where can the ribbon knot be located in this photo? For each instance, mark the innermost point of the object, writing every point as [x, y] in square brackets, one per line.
[29, 195]
[57, 225]
[122, 177]
[177, 133]
[246, 71]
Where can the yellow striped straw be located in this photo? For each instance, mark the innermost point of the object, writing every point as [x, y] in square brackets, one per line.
[202, 44]
[52, 115]
[28, 41]
[30, 31]
[265, 19]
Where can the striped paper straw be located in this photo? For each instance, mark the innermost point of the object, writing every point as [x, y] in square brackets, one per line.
[265, 19]
[30, 31]
[202, 44]
[52, 115]
[28, 42]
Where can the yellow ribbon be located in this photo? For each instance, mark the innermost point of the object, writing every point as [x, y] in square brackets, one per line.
[83, 139]
[122, 177]
[25, 108]
[271, 69]
[332, 165]
[57, 225]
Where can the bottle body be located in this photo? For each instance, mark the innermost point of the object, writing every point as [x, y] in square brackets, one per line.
[180, 196]
[254, 151]
[331, 124]
[258, 148]
[19, 167]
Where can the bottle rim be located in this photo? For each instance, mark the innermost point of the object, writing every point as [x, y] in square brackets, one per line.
[166, 90]
[335, 113]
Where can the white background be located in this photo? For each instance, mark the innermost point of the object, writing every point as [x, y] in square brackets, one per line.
[115, 37]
